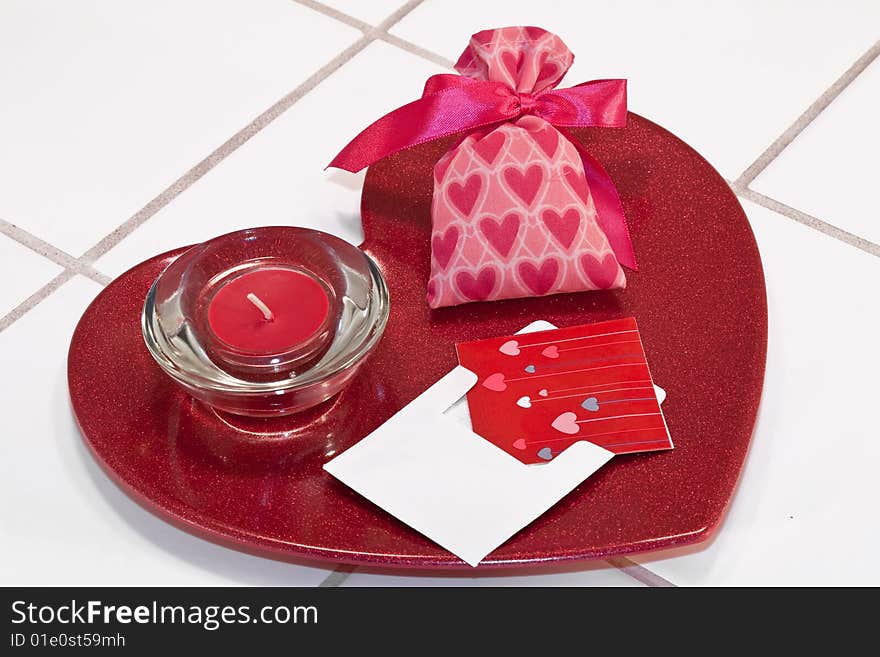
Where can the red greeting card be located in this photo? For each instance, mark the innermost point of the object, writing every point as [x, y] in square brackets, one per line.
[539, 393]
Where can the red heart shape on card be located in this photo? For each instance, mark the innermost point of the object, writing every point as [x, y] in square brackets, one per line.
[548, 139]
[539, 280]
[495, 382]
[577, 182]
[476, 288]
[489, 146]
[519, 443]
[501, 234]
[550, 352]
[563, 226]
[464, 196]
[525, 183]
[603, 273]
[443, 247]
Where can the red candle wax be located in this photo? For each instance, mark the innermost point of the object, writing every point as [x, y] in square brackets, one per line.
[296, 305]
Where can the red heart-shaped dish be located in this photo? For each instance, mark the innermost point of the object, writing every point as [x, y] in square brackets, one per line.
[258, 485]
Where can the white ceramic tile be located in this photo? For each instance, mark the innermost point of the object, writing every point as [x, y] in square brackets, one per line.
[830, 170]
[23, 273]
[727, 77]
[63, 522]
[278, 176]
[595, 575]
[805, 512]
[372, 11]
[106, 103]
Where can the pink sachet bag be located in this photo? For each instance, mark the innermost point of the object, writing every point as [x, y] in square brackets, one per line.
[518, 209]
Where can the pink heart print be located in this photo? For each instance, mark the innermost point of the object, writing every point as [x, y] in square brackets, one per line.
[512, 213]
[464, 194]
[501, 234]
[566, 423]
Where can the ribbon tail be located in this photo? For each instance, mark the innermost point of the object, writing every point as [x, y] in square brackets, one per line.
[451, 110]
[609, 209]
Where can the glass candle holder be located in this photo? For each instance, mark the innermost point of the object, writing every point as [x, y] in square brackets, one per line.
[266, 321]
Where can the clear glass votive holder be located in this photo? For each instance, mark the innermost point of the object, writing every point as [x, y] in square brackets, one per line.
[266, 321]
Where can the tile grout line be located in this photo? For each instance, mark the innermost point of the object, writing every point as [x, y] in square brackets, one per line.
[640, 573]
[83, 264]
[73, 266]
[223, 151]
[338, 576]
[242, 136]
[809, 220]
[824, 100]
[381, 34]
[50, 252]
[332, 12]
[418, 51]
[7, 320]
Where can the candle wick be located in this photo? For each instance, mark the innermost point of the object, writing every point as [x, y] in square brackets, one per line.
[268, 315]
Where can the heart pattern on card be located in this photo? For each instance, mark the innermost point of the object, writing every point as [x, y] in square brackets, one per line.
[588, 382]
[495, 382]
[566, 423]
[590, 404]
[510, 348]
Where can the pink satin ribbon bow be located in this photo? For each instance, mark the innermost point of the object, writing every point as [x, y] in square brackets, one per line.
[455, 104]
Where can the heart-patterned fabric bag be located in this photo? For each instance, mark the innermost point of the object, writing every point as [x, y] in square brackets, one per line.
[519, 209]
[512, 212]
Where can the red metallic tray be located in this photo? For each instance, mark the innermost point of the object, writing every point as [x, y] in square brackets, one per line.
[258, 485]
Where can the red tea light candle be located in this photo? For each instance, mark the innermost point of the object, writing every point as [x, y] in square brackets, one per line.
[266, 321]
[268, 310]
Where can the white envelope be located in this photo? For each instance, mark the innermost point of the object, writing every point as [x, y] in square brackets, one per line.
[425, 467]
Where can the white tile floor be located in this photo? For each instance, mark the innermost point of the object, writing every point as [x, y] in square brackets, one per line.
[831, 170]
[802, 511]
[76, 527]
[727, 77]
[109, 103]
[31, 272]
[278, 176]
